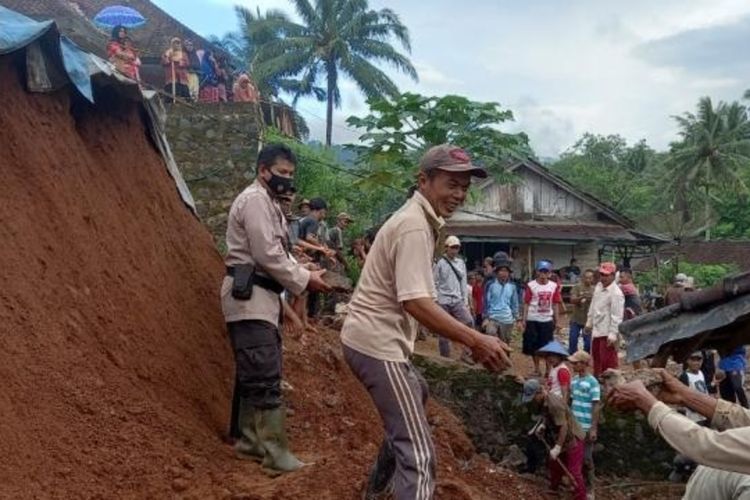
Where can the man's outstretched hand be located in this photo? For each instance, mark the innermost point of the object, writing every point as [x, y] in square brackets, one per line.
[672, 389]
[492, 352]
[316, 283]
[631, 396]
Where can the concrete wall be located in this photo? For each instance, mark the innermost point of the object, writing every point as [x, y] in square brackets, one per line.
[215, 146]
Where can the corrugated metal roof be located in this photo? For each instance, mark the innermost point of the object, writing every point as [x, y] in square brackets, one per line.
[717, 317]
[542, 231]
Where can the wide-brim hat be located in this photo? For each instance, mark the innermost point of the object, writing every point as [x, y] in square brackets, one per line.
[554, 347]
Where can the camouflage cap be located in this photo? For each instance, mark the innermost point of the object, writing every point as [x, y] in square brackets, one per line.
[451, 159]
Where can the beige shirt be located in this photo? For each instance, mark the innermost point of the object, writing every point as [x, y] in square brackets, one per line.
[256, 234]
[560, 414]
[398, 268]
[727, 450]
[606, 311]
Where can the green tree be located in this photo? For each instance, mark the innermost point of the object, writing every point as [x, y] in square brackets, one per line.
[335, 38]
[714, 148]
[397, 132]
[620, 175]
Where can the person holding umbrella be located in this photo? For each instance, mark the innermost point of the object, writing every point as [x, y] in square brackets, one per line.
[175, 63]
[121, 52]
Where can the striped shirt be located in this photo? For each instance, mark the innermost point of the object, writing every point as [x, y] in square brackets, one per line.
[584, 392]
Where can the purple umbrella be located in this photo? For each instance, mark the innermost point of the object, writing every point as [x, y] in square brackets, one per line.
[119, 15]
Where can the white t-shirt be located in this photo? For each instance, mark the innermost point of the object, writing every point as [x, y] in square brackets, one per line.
[697, 382]
[541, 300]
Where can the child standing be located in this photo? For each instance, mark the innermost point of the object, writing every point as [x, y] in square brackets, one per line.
[558, 373]
[586, 404]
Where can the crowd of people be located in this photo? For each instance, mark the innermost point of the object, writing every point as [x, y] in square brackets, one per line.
[565, 381]
[190, 73]
[278, 252]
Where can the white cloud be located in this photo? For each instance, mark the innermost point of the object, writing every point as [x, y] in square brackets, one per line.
[564, 68]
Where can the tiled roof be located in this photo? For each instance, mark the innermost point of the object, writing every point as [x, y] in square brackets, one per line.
[73, 17]
[706, 252]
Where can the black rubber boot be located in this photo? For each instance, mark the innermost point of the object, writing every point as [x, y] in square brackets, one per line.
[272, 436]
[380, 481]
[248, 445]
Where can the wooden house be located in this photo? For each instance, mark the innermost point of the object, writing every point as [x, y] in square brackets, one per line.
[542, 216]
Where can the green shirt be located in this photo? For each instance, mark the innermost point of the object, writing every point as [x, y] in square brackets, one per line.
[581, 310]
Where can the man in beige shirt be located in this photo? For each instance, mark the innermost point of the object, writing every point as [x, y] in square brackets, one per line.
[605, 315]
[395, 291]
[723, 451]
[259, 268]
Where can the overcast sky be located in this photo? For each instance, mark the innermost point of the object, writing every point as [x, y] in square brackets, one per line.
[562, 67]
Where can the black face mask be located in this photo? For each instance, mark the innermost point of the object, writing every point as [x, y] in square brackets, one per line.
[280, 185]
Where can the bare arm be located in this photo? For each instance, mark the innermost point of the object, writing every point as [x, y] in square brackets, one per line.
[594, 430]
[490, 351]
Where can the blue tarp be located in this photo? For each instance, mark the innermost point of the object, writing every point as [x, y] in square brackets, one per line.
[20, 32]
[17, 30]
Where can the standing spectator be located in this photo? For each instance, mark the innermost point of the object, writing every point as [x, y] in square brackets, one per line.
[694, 378]
[734, 366]
[540, 312]
[632, 297]
[580, 297]
[558, 378]
[244, 90]
[222, 78]
[308, 226]
[572, 272]
[604, 318]
[304, 207]
[359, 251]
[675, 291]
[308, 232]
[209, 90]
[449, 273]
[175, 63]
[568, 436]
[122, 54]
[585, 394]
[502, 309]
[336, 236]
[477, 294]
[193, 70]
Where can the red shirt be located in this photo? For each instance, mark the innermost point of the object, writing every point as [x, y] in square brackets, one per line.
[477, 292]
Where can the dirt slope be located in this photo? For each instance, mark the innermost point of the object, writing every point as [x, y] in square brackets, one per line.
[116, 371]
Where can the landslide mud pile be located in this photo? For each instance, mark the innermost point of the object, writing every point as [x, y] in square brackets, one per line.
[115, 367]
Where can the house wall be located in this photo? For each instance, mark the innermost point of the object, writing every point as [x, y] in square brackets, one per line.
[532, 197]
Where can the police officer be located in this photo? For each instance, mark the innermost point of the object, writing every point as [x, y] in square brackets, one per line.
[259, 269]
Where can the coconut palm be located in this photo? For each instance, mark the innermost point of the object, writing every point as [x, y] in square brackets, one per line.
[335, 38]
[715, 145]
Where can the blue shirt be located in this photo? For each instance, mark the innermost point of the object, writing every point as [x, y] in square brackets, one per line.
[584, 393]
[735, 362]
[501, 301]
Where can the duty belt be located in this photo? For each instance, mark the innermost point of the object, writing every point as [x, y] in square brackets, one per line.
[269, 284]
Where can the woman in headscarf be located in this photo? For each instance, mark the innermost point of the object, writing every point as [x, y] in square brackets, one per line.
[209, 79]
[122, 54]
[244, 90]
[175, 63]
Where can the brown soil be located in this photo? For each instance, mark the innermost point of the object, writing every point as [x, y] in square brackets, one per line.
[116, 369]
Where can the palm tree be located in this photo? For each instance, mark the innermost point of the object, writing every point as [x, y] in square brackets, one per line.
[715, 145]
[335, 37]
